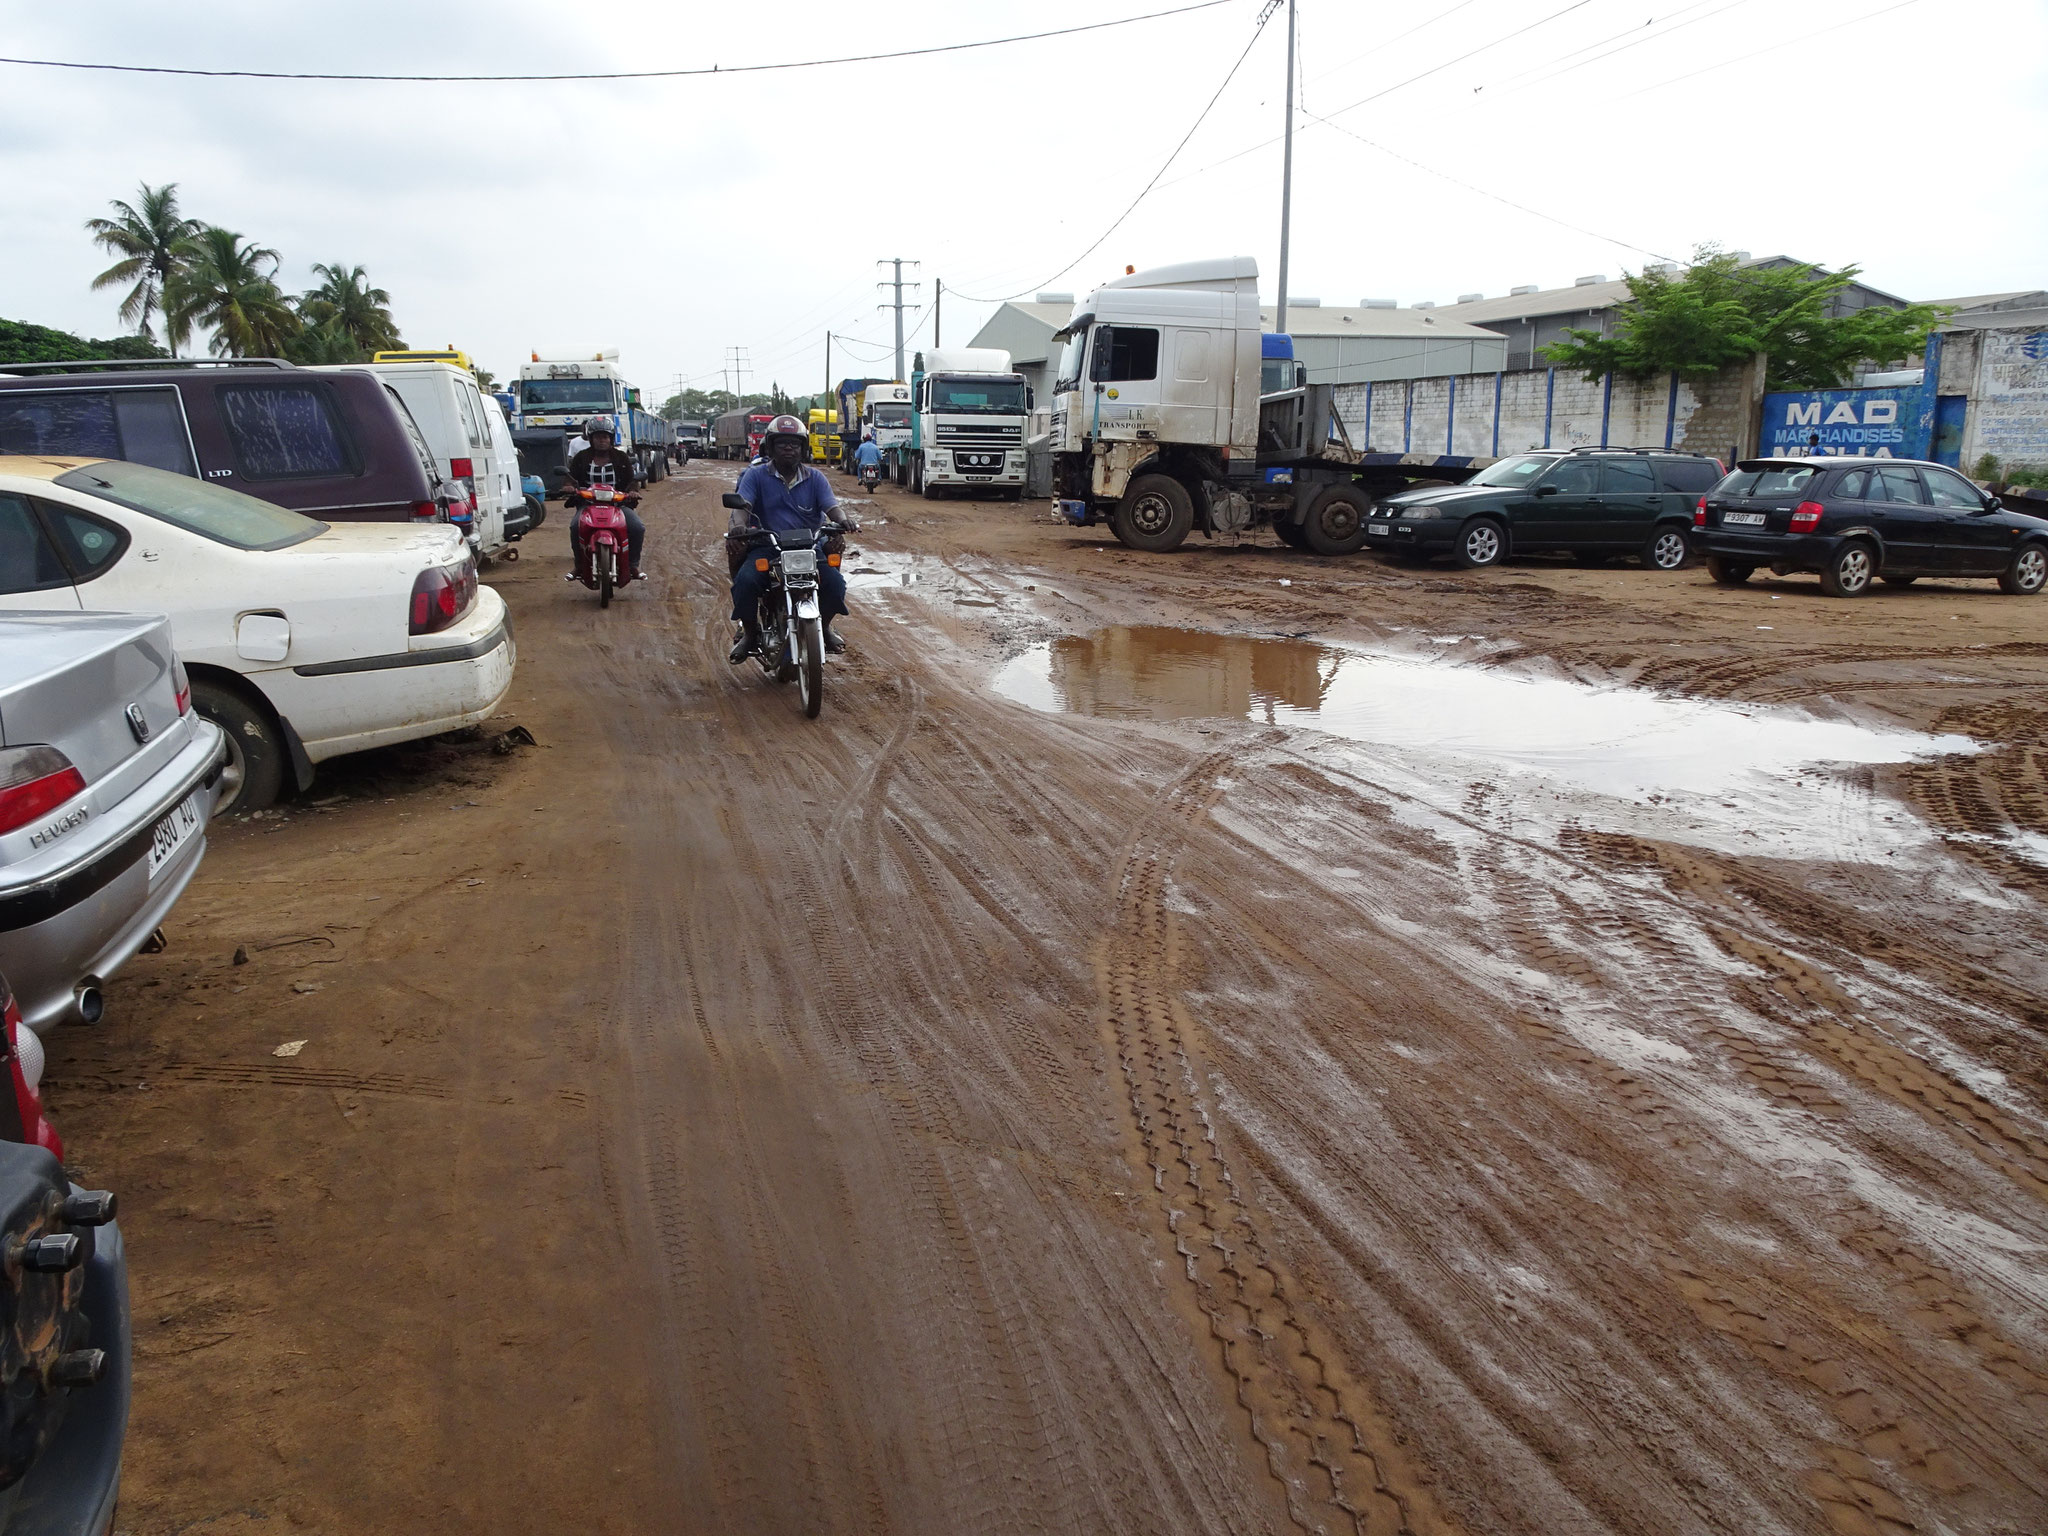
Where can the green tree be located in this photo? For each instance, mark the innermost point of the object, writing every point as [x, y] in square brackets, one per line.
[314, 346]
[148, 237]
[21, 342]
[1720, 313]
[485, 379]
[346, 303]
[231, 289]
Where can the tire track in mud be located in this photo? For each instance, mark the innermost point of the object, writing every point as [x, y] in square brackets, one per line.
[1335, 1465]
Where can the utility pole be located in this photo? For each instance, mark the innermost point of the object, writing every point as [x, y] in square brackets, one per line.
[896, 282]
[1286, 178]
[736, 370]
[938, 300]
[828, 362]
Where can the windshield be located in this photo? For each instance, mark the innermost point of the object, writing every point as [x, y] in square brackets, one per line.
[1070, 362]
[566, 394]
[987, 396]
[211, 511]
[892, 415]
[1521, 470]
[1765, 480]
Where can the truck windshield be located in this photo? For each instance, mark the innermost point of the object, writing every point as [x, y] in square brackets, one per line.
[1070, 362]
[1518, 471]
[988, 396]
[566, 394]
[892, 415]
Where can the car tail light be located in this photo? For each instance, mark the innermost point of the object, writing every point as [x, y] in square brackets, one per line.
[1806, 516]
[426, 512]
[33, 781]
[25, 1073]
[181, 686]
[1699, 514]
[441, 595]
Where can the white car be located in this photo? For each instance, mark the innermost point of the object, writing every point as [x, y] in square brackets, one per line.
[304, 641]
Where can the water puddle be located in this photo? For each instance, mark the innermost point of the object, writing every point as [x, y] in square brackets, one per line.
[1469, 722]
[867, 569]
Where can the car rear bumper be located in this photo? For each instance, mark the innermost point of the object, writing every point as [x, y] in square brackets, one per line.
[404, 696]
[82, 921]
[74, 1486]
[1794, 551]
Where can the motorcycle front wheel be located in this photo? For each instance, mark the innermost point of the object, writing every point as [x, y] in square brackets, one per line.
[810, 666]
[604, 578]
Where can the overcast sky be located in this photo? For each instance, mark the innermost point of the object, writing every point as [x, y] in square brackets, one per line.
[674, 219]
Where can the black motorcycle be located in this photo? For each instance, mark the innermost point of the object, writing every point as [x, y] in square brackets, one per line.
[792, 626]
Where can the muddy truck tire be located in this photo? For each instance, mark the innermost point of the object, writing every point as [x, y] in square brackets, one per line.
[1156, 515]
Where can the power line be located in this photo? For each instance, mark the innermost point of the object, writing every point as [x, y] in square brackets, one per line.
[1853, 21]
[1637, 35]
[1257, 32]
[1534, 213]
[633, 74]
[1359, 58]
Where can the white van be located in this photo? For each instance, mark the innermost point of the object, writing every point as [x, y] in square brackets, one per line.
[505, 458]
[450, 410]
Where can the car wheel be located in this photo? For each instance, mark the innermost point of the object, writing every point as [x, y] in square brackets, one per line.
[2028, 572]
[1335, 524]
[1726, 572]
[1899, 581]
[1156, 514]
[1667, 549]
[256, 752]
[1849, 570]
[1481, 543]
[1290, 534]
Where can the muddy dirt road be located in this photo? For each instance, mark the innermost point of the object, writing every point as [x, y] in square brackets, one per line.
[1102, 1079]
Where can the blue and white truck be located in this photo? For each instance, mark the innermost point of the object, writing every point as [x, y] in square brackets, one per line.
[1166, 420]
[555, 396]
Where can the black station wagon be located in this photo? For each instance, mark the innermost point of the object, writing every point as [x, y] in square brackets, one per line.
[1855, 520]
[1589, 502]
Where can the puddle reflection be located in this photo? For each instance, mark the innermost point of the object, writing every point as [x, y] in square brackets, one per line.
[1613, 740]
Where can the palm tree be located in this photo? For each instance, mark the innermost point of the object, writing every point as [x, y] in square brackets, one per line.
[146, 238]
[229, 288]
[344, 302]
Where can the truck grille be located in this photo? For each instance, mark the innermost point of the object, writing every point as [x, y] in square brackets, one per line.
[978, 437]
[978, 463]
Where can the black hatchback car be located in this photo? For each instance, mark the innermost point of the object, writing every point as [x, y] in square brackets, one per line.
[1855, 520]
[340, 447]
[1589, 502]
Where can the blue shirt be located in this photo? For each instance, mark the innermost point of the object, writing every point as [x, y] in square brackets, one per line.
[783, 509]
[867, 453]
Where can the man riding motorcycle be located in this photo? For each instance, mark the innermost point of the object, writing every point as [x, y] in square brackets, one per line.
[867, 456]
[603, 464]
[783, 494]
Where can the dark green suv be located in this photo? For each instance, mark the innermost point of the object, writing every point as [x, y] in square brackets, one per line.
[1589, 502]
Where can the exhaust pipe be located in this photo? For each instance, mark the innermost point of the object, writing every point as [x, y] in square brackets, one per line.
[91, 1006]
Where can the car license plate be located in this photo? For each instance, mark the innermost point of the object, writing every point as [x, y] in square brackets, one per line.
[171, 832]
[1742, 519]
[1378, 530]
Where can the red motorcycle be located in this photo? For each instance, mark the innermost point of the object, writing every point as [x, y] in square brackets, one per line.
[604, 552]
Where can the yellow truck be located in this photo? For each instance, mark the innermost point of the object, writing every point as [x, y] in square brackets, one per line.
[824, 427]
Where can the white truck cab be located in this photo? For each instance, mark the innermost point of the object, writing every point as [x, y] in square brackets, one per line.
[968, 430]
[885, 413]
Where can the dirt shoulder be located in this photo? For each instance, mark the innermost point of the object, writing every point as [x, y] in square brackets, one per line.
[947, 1116]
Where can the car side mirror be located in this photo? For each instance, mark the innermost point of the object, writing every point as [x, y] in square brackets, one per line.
[1546, 490]
[1992, 503]
[732, 501]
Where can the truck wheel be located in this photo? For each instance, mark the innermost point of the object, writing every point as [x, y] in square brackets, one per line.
[1289, 533]
[1156, 515]
[917, 485]
[1481, 543]
[1335, 524]
[902, 468]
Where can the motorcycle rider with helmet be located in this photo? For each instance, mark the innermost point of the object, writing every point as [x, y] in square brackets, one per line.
[783, 494]
[603, 464]
[867, 455]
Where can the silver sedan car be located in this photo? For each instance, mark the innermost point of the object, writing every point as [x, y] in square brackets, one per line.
[107, 779]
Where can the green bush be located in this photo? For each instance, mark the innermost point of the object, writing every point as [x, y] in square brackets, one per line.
[21, 342]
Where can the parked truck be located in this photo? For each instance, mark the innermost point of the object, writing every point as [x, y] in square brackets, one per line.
[968, 413]
[885, 416]
[851, 393]
[824, 434]
[1162, 426]
[737, 434]
[560, 394]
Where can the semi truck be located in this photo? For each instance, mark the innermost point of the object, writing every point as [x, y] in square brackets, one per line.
[968, 413]
[850, 396]
[1163, 423]
[737, 434]
[557, 395]
[885, 416]
[824, 433]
